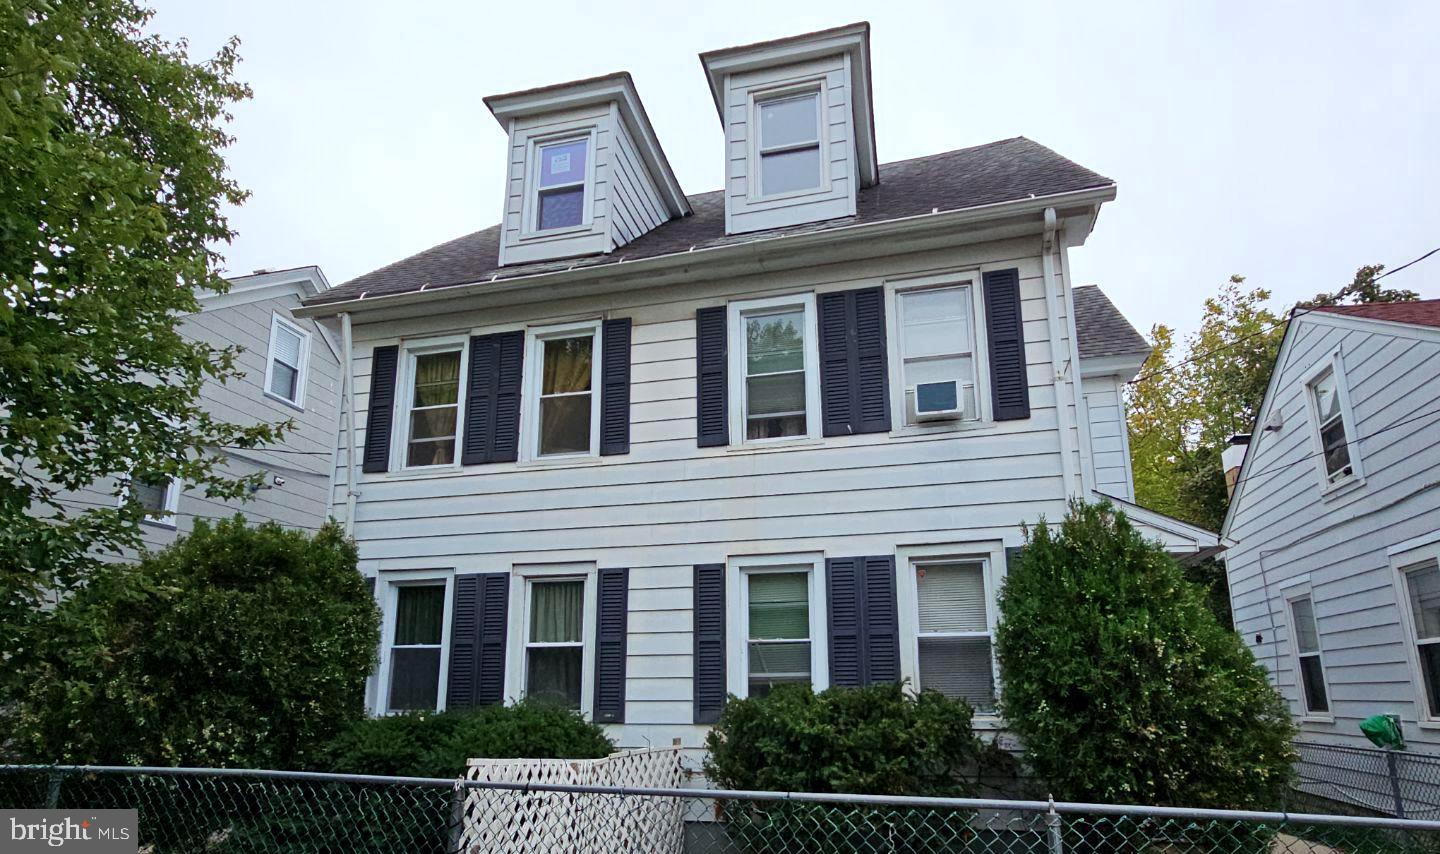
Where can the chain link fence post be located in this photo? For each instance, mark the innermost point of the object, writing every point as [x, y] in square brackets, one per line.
[52, 792]
[1055, 829]
[1392, 765]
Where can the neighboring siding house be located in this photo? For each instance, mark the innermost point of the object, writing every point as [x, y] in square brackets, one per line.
[291, 370]
[635, 450]
[1334, 526]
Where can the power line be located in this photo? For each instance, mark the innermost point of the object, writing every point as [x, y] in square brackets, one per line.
[1288, 463]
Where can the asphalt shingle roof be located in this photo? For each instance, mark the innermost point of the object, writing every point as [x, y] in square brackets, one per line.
[1425, 312]
[1100, 328]
[1008, 170]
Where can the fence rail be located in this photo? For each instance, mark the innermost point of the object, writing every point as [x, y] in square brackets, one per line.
[223, 811]
[1395, 783]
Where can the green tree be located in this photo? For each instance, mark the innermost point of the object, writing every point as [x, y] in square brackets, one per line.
[112, 183]
[1120, 682]
[237, 646]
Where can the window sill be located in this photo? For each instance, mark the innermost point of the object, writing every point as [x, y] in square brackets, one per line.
[419, 473]
[156, 523]
[567, 231]
[940, 429]
[569, 461]
[987, 722]
[298, 407]
[756, 198]
[1425, 724]
[1332, 491]
[763, 446]
[1317, 719]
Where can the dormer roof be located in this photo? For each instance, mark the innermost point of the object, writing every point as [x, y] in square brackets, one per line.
[852, 40]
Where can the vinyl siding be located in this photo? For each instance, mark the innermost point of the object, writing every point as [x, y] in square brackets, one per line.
[1289, 534]
[669, 505]
[1109, 448]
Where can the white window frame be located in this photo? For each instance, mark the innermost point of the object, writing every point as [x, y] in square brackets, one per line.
[405, 395]
[1402, 563]
[737, 311]
[531, 209]
[907, 599]
[737, 602]
[759, 97]
[301, 370]
[517, 645]
[1335, 363]
[170, 504]
[389, 582]
[1292, 596]
[533, 382]
[895, 352]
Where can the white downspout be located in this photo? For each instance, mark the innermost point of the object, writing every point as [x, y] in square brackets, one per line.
[1063, 405]
[347, 347]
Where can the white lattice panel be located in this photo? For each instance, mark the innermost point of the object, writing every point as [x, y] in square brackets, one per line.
[516, 822]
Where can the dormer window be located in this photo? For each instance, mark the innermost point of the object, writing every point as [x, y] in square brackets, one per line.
[562, 173]
[789, 143]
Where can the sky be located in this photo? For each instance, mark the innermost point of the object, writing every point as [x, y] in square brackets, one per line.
[1288, 142]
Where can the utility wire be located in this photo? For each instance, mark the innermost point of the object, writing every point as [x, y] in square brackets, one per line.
[1288, 463]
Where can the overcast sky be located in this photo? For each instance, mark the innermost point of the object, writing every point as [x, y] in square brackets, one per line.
[1289, 142]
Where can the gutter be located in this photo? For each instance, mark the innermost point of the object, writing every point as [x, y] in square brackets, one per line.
[1063, 405]
[760, 248]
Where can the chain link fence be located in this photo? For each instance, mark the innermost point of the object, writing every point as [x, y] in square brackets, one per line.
[1386, 782]
[221, 812]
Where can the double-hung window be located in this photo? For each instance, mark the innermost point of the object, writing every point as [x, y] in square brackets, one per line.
[777, 639]
[158, 495]
[1421, 582]
[954, 636]
[560, 179]
[774, 368]
[285, 369]
[564, 406]
[414, 655]
[1333, 422]
[789, 143]
[555, 640]
[434, 405]
[938, 354]
[1306, 637]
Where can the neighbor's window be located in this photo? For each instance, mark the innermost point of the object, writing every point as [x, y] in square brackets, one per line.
[774, 362]
[954, 637]
[560, 184]
[289, 350]
[160, 496]
[554, 642]
[1422, 587]
[1334, 442]
[1307, 650]
[434, 408]
[565, 409]
[937, 351]
[416, 647]
[789, 144]
[778, 629]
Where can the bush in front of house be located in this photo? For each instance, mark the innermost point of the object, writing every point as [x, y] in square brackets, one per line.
[1120, 682]
[437, 744]
[238, 646]
[879, 740]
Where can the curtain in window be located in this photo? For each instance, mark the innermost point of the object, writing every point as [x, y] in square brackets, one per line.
[419, 615]
[779, 606]
[437, 379]
[557, 611]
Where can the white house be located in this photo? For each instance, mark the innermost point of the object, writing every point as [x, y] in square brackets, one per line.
[1334, 527]
[634, 449]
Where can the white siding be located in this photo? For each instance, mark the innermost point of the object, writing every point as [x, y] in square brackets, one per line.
[1289, 534]
[1109, 448]
[668, 505]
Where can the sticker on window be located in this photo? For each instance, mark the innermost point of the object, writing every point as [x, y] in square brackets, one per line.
[560, 163]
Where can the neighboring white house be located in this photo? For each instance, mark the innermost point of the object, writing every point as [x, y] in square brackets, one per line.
[291, 370]
[1333, 532]
[635, 450]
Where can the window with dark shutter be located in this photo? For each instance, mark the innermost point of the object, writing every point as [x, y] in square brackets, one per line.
[1005, 333]
[382, 408]
[492, 398]
[477, 640]
[612, 604]
[615, 387]
[854, 380]
[711, 389]
[863, 617]
[709, 642]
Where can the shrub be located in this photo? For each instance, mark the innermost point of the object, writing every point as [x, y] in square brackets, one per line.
[236, 646]
[880, 740]
[430, 744]
[1120, 682]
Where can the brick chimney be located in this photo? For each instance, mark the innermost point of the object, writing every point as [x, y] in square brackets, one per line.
[1232, 458]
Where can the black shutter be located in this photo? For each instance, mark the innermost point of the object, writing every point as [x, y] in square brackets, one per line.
[370, 585]
[854, 380]
[709, 589]
[382, 408]
[492, 398]
[712, 412]
[864, 625]
[615, 387]
[1012, 558]
[1009, 385]
[477, 640]
[612, 604]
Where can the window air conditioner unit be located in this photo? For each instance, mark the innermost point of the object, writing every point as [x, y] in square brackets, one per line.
[942, 401]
